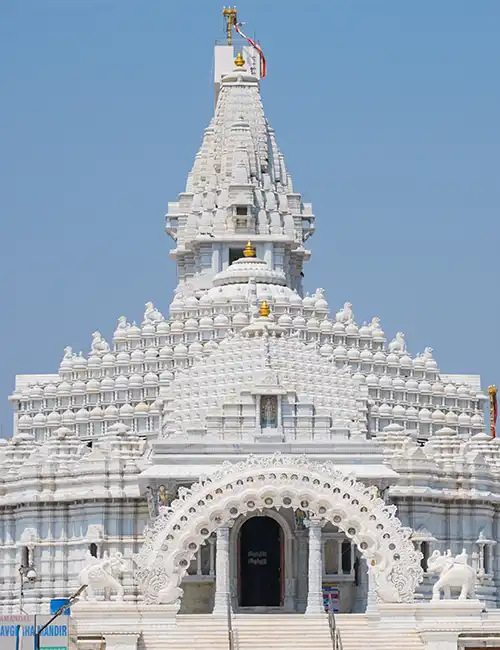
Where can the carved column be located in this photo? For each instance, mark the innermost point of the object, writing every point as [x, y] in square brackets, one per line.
[222, 586]
[211, 543]
[340, 570]
[301, 594]
[315, 566]
[371, 599]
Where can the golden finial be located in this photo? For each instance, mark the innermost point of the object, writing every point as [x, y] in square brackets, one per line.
[264, 310]
[230, 15]
[249, 251]
[492, 390]
[239, 61]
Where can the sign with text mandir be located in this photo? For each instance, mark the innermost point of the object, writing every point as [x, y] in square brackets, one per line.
[17, 632]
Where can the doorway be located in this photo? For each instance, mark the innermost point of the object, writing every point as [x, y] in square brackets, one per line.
[260, 563]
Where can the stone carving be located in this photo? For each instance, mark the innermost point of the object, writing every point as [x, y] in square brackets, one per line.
[345, 315]
[398, 344]
[276, 361]
[95, 533]
[68, 352]
[427, 354]
[375, 323]
[269, 411]
[163, 500]
[99, 345]
[453, 572]
[100, 574]
[170, 594]
[243, 487]
[152, 315]
[122, 323]
[29, 537]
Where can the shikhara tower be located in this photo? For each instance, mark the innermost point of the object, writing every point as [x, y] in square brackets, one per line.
[264, 445]
[239, 189]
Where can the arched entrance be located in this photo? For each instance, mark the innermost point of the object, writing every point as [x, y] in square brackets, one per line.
[260, 560]
[271, 482]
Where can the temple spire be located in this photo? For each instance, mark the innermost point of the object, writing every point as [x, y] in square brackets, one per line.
[239, 188]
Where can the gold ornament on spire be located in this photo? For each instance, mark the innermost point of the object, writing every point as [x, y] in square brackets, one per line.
[239, 61]
[264, 309]
[230, 15]
[249, 251]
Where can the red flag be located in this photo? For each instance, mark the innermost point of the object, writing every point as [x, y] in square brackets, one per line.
[492, 390]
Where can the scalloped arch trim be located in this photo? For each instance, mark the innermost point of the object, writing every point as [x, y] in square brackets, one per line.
[278, 482]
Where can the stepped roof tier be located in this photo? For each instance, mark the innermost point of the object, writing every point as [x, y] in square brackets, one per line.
[239, 191]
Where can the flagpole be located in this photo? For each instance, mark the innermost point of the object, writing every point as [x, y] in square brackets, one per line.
[492, 391]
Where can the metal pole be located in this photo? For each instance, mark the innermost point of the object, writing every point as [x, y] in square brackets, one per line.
[61, 609]
[229, 623]
[21, 580]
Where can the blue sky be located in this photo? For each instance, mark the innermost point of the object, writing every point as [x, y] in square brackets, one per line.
[386, 111]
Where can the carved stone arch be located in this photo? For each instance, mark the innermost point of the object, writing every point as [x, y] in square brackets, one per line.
[274, 482]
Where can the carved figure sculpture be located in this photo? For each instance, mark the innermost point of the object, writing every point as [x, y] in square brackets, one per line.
[171, 593]
[345, 315]
[152, 314]
[427, 354]
[162, 499]
[398, 344]
[453, 572]
[68, 352]
[375, 324]
[99, 345]
[269, 411]
[122, 323]
[99, 574]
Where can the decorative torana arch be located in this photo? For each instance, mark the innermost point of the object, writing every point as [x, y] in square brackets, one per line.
[274, 482]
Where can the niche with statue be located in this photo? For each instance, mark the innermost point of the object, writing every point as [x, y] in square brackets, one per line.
[269, 411]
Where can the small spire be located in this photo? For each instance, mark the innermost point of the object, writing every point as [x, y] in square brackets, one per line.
[239, 61]
[249, 251]
[264, 309]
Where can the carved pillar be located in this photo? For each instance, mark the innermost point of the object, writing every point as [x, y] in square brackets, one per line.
[315, 565]
[371, 598]
[340, 570]
[301, 600]
[222, 586]
[211, 542]
[481, 571]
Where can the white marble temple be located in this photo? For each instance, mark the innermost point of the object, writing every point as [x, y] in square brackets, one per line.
[365, 456]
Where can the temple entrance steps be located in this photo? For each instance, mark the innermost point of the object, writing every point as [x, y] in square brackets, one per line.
[251, 632]
[284, 631]
[281, 632]
[198, 631]
[360, 632]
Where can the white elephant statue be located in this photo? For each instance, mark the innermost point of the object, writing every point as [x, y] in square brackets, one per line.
[99, 574]
[453, 572]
